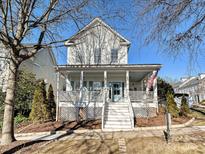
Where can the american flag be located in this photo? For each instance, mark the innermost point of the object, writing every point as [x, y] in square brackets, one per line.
[150, 81]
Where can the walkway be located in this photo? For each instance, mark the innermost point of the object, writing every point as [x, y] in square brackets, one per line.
[106, 135]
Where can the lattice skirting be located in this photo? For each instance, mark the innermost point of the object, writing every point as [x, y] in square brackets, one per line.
[145, 111]
[83, 113]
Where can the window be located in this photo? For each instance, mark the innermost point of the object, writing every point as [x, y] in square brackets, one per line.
[97, 85]
[77, 85]
[72, 84]
[85, 84]
[97, 56]
[80, 58]
[114, 56]
[90, 85]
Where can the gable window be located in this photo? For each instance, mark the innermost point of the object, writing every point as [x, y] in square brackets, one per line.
[97, 56]
[80, 58]
[114, 56]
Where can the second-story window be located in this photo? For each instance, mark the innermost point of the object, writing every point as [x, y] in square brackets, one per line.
[80, 58]
[114, 56]
[97, 56]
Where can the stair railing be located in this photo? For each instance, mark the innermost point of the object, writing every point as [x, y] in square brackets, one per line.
[103, 106]
[131, 112]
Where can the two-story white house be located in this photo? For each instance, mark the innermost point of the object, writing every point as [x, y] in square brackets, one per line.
[100, 84]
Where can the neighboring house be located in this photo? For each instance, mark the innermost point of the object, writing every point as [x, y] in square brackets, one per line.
[42, 65]
[99, 82]
[193, 86]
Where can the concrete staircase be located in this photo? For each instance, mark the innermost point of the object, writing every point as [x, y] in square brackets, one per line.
[117, 116]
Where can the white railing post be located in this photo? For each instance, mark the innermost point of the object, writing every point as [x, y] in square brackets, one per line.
[104, 97]
[155, 96]
[57, 95]
[127, 83]
[80, 95]
[81, 86]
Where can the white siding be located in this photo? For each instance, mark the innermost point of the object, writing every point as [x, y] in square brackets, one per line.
[42, 66]
[97, 37]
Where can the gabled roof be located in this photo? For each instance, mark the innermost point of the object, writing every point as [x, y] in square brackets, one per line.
[93, 22]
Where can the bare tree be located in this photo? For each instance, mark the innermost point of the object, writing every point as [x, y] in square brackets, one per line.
[177, 25]
[39, 23]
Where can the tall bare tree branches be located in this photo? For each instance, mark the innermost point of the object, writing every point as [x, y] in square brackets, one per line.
[175, 24]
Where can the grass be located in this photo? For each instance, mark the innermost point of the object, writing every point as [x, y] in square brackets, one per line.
[199, 122]
[81, 146]
[156, 145]
[196, 114]
[189, 144]
[200, 118]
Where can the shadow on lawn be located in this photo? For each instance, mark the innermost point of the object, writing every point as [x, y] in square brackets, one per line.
[19, 147]
[81, 124]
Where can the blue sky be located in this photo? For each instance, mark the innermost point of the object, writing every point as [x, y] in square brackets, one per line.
[146, 54]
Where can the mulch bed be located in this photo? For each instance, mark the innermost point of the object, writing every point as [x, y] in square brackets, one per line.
[159, 120]
[56, 126]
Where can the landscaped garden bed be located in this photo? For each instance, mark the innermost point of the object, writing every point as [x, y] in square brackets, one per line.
[57, 126]
[159, 120]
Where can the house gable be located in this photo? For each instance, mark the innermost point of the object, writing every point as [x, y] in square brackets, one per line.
[97, 43]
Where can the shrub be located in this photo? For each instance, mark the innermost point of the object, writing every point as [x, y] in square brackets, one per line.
[19, 119]
[26, 84]
[184, 109]
[39, 111]
[51, 103]
[171, 105]
[163, 87]
[202, 102]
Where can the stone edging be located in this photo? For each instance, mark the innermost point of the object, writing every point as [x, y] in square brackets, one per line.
[99, 130]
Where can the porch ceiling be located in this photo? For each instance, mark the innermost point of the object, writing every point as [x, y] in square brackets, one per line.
[137, 76]
[107, 67]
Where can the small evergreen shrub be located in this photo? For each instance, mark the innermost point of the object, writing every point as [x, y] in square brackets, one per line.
[184, 109]
[39, 111]
[51, 103]
[171, 105]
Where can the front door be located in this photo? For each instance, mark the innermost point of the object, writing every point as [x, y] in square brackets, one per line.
[116, 91]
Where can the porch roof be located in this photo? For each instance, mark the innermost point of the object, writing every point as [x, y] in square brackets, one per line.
[109, 67]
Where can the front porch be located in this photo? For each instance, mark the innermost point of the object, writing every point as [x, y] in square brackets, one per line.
[83, 92]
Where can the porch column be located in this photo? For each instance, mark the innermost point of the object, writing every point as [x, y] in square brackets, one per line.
[67, 81]
[81, 86]
[105, 86]
[155, 92]
[127, 83]
[105, 79]
[142, 85]
[57, 95]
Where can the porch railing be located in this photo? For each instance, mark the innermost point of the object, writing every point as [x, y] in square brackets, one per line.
[69, 96]
[74, 96]
[140, 95]
[131, 112]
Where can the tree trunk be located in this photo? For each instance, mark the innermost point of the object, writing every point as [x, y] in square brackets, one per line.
[8, 122]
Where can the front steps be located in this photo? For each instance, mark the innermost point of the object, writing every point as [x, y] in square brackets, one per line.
[117, 116]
